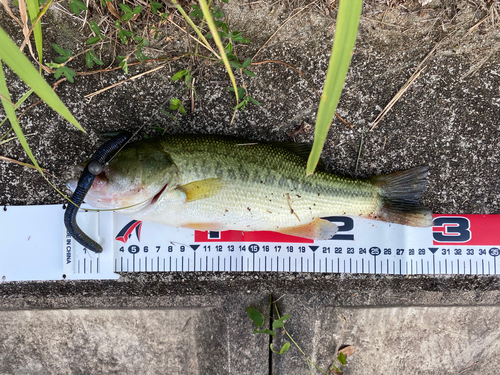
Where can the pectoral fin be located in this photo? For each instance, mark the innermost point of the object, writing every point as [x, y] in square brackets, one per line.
[201, 189]
[318, 229]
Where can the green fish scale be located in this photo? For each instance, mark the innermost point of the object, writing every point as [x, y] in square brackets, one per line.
[264, 183]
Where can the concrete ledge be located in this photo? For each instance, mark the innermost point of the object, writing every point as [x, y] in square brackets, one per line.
[143, 290]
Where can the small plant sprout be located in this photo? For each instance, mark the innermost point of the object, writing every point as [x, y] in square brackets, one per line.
[342, 360]
[245, 98]
[123, 63]
[232, 38]
[187, 77]
[283, 350]
[77, 6]
[277, 324]
[345, 352]
[123, 34]
[196, 13]
[244, 67]
[98, 35]
[129, 12]
[65, 54]
[155, 6]
[141, 43]
[176, 105]
[256, 316]
[91, 58]
[60, 64]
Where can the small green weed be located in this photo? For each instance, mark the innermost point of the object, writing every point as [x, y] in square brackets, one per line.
[60, 63]
[176, 105]
[277, 324]
[342, 360]
[129, 12]
[77, 6]
[245, 98]
[230, 39]
[98, 35]
[187, 77]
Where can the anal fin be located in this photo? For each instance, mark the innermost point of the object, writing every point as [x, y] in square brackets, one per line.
[204, 226]
[318, 229]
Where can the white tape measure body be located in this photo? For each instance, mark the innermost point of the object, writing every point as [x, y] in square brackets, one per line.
[360, 246]
[31, 250]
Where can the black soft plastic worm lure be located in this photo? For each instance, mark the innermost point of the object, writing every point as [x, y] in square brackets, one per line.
[92, 169]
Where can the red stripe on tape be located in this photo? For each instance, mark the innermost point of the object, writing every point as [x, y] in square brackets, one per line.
[239, 236]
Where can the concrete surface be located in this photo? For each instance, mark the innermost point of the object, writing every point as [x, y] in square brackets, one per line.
[197, 323]
[116, 341]
[187, 323]
[398, 340]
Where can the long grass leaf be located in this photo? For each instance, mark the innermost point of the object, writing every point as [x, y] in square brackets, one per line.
[6, 141]
[213, 29]
[23, 68]
[23, 99]
[345, 37]
[33, 10]
[11, 115]
[195, 28]
[18, 104]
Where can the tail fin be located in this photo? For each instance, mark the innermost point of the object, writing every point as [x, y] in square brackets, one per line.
[400, 193]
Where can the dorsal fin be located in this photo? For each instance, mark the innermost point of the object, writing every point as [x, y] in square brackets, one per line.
[301, 149]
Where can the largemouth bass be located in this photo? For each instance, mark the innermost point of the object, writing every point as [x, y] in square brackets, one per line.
[216, 183]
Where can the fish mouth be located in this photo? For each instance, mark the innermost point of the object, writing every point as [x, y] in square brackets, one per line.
[158, 195]
[73, 175]
[72, 184]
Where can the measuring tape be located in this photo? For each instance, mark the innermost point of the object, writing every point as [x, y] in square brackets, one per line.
[456, 244]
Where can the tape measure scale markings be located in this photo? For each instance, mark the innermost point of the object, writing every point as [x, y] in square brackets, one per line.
[457, 244]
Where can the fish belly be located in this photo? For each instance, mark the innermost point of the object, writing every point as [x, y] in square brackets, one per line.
[254, 206]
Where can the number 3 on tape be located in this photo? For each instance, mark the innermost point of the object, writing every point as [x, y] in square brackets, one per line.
[451, 229]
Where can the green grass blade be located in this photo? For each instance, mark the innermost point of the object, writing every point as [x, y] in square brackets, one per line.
[23, 68]
[11, 115]
[23, 99]
[33, 10]
[7, 140]
[18, 104]
[195, 28]
[213, 29]
[345, 36]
